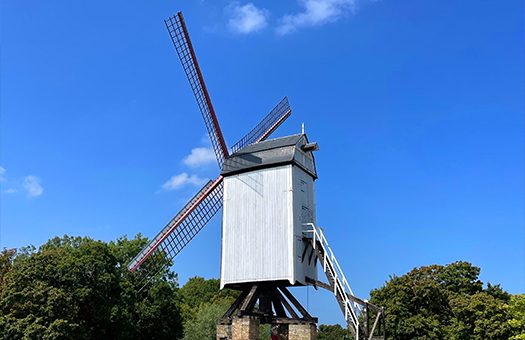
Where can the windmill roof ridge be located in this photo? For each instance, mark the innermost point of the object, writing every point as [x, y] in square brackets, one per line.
[271, 153]
[273, 143]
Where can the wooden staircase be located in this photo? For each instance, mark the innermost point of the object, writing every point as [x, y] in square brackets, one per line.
[356, 312]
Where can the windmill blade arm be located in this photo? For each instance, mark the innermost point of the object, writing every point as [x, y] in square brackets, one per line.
[185, 225]
[181, 40]
[268, 125]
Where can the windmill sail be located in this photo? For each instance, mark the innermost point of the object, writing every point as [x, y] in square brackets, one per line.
[182, 228]
[268, 125]
[181, 40]
[161, 250]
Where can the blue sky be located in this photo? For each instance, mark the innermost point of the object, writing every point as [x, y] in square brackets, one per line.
[417, 106]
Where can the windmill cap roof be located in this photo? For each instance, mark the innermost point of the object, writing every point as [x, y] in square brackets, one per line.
[271, 153]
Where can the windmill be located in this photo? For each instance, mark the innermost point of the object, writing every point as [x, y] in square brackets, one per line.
[270, 240]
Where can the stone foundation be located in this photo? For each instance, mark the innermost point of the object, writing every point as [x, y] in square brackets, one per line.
[224, 332]
[302, 332]
[245, 328]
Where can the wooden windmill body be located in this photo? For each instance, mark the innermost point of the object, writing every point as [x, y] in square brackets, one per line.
[268, 196]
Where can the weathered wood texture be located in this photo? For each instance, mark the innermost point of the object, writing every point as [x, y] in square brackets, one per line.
[262, 238]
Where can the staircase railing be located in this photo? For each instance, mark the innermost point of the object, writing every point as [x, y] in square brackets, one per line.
[334, 274]
[354, 309]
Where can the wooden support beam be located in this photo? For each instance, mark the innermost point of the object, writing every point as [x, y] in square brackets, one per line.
[249, 301]
[265, 301]
[374, 326]
[278, 305]
[296, 303]
[235, 304]
[350, 296]
[310, 257]
[383, 319]
[306, 244]
[290, 321]
[367, 322]
[287, 305]
[321, 284]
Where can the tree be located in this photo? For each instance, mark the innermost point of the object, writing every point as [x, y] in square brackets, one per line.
[203, 325]
[332, 332]
[75, 287]
[517, 316]
[203, 303]
[478, 316]
[199, 290]
[7, 257]
[443, 302]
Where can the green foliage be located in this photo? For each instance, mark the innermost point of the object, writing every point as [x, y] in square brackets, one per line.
[203, 303]
[264, 332]
[443, 302]
[199, 290]
[332, 332]
[478, 316]
[75, 287]
[203, 325]
[517, 316]
[79, 288]
[7, 257]
[497, 292]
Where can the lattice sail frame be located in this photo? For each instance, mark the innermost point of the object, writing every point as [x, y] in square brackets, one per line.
[158, 255]
[185, 225]
[181, 40]
[179, 232]
[161, 250]
[268, 125]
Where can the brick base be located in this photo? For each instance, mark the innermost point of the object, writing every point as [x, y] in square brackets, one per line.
[245, 328]
[224, 332]
[302, 332]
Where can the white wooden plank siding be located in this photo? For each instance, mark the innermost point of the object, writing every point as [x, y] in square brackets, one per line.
[262, 231]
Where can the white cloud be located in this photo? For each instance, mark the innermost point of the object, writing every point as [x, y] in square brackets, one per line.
[2, 173]
[182, 179]
[32, 186]
[247, 18]
[316, 12]
[10, 191]
[199, 156]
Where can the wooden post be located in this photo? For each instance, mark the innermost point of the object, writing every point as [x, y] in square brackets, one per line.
[384, 322]
[367, 321]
